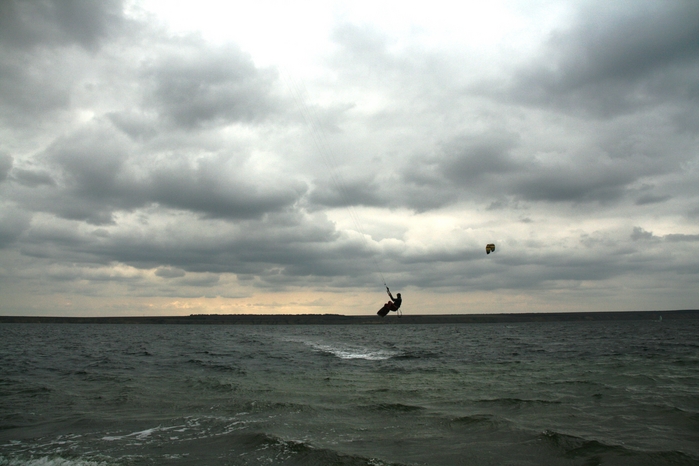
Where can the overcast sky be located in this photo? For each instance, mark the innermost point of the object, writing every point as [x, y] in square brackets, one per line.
[174, 157]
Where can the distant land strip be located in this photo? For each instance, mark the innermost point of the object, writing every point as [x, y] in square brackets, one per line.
[338, 319]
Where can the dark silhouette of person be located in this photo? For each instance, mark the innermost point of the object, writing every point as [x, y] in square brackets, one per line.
[395, 303]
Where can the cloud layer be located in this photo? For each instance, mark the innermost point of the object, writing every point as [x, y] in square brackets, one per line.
[140, 165]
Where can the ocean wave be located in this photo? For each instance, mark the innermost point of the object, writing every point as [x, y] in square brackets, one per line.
[478, 421]
[216, 366]
[394, 407]
[352, 352]
[268, 449]
[576, 382]
[686, 362]
[378, 390]
[140, 435]
[518, 401]
[597, 452]
[136, 350]
[39, 391]
[102, 376]
[138, 353]
[183, 430]
[418, 355]
[49, 461]
[213, 384]
[196, 441]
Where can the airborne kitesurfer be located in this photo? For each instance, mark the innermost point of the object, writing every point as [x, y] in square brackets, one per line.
[397, 301]
[393, 305]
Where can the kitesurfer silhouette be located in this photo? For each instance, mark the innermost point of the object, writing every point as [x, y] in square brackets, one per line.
[392, 305]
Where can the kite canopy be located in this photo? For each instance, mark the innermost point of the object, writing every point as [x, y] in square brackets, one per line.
[489, 248]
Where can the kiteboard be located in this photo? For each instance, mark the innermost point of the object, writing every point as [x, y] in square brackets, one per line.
[385, 309]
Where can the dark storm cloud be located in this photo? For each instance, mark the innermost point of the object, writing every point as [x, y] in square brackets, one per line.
[197, 84]
[169, 272]
[91, 160]
[101, 171]
[678, 238]
[13, 223]
[575, 183]
[95, 172]
[214, 190]
[35, 78]
[26, 90]
[639, 234]
[57, 22]
[138, 126]
[484, 166]
[498, 164]
[206, 281]
[6, 161]
[472, 159]
[343, 193]
[630, 58]
[652, 199]
[281, 249]
[91, 163]
[33, 178]
[473, 165]
[620, 56]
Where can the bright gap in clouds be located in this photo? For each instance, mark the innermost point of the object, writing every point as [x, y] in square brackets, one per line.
[275, 33]
[297, 34]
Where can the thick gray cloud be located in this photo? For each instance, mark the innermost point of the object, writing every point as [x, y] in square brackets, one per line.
[58, 22]
[343, 193]
[169, 272]
[36, 78]
[616, 62]
[284, 248]
[495, 164]
[137, 126]
[576, 183]
[619, 57]
[25, 90]
[100, 172]
[208, 189]
[471, 159]
[5, 166]
[33, 178]
[12, 224]
[196, 84]
[681, 238]
[467, 163]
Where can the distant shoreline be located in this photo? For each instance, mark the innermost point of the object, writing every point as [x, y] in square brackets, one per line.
[338, 319]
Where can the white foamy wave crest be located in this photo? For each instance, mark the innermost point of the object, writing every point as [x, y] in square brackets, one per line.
[141, 435]
[192, 428]
[46, 461]
[353, 352]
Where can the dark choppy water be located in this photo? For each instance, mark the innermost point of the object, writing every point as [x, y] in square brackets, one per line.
[519, 394]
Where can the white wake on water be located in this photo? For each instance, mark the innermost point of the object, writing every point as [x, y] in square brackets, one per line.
[344, 351]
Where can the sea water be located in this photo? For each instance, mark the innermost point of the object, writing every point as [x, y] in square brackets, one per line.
[553, 393]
